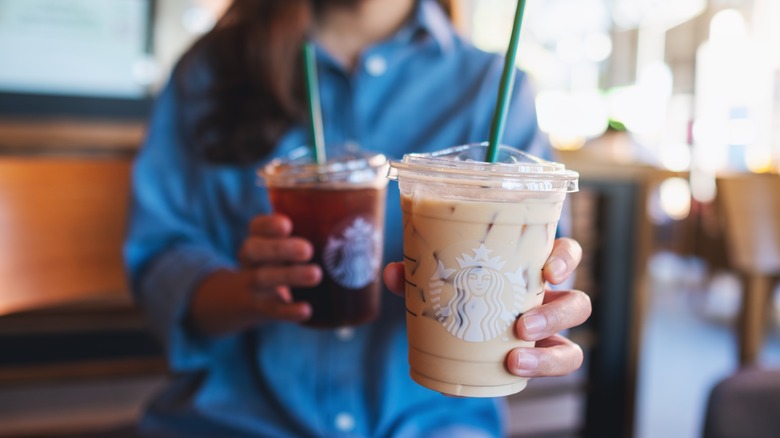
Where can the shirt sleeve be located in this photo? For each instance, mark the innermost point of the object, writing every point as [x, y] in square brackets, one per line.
[166, 250]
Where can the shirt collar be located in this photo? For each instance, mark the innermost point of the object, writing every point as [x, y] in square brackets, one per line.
[429, 18]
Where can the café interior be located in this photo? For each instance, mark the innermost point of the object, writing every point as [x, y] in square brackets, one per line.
[668, 109]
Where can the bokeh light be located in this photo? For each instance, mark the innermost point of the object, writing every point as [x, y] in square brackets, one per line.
[675, 198]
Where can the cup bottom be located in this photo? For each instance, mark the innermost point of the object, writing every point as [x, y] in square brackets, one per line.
[468, 390]
[486, 376]
[339, 322]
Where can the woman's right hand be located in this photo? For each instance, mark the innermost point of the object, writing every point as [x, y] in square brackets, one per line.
[272, 261]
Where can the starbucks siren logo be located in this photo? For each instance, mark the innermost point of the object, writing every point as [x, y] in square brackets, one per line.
[352, 257]
[480, 308]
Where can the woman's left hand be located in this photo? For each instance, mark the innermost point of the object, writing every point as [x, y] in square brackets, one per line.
[554, 355]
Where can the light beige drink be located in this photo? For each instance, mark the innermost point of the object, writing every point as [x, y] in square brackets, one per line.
[472, 268]
[476, 237]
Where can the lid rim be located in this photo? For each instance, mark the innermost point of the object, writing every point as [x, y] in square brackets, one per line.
[286, 167]
[517, 170]
[459, 160]
[563, 174]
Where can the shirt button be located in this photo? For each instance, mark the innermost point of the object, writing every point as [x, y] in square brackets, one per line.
[376, 65]
[345, 422]
[345, 334]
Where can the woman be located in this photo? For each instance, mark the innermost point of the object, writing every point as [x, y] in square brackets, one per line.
[212, 267]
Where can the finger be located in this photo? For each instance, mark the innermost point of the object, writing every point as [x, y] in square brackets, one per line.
[273, 306]
[560, 311]
[293, 276]
[275, 250]
[563, 261]
[554, 356]
[394, 277]
[273, 225]
[284, 293]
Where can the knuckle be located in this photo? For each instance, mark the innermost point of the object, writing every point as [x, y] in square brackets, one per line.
[574, 249]
[298, 275]
[267, 225]
[569, 251]
[556, 320]
[549, 362]
[296, 249]
[258, 224]
[295, 275]
[253, 223]
[265, 277]
[260, 278]
[275, 248]
[258, 249]
[249, 250]
[582, 300]
[561, 360]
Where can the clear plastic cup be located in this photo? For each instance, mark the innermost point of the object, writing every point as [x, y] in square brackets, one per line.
[339, 207]
[476, 237]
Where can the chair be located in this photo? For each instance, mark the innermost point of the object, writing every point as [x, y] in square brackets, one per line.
[745, 405]
[751, 211]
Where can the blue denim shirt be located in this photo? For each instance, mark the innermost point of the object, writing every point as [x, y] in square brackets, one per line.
[424, 89]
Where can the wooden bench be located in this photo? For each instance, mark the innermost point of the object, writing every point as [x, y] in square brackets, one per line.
[64, 300]
[75, 353]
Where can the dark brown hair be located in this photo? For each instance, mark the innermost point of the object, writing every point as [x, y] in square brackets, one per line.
[255, 90]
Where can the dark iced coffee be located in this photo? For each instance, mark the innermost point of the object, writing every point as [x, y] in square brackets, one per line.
[339, 207]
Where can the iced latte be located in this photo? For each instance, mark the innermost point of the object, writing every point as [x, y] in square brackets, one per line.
[476, 237]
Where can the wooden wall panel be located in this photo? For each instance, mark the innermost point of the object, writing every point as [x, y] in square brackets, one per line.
[62, 222]
[23, 136]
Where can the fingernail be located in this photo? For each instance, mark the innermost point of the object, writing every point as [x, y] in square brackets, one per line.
[557, 267]
[527, 361]
[534, 324]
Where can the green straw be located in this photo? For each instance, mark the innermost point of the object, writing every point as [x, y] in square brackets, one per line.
[505, 89]
[315, 110]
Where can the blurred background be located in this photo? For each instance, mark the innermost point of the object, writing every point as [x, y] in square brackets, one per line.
[670, 109]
